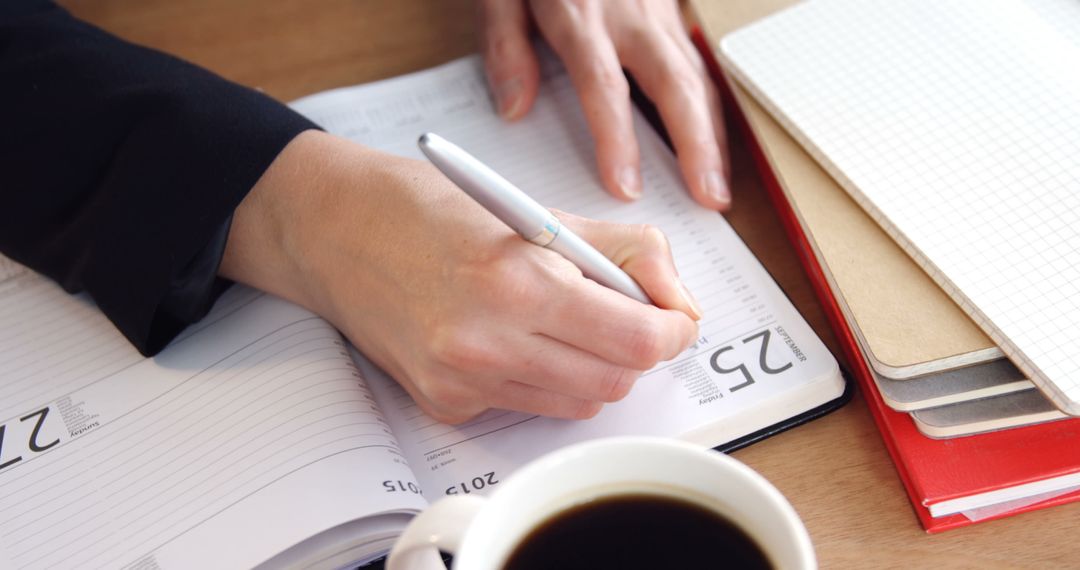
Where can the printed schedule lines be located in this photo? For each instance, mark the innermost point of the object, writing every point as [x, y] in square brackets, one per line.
[34, 328]
[86, 549]
[178, 409]
[735, 319]
[28, 292]
[232, 429]
[90, 349]
[232, 302]
[70, 378]
[177, 496]
[467, 429]
[28, 359]
[38, 334]
[204, 520]
[479, 435]
[707, 269]
[736, 292]
[108, 358]
[200, 439]
[9, 269]
[141, 411]
[46, 302]
[118, 466]
[185, 495]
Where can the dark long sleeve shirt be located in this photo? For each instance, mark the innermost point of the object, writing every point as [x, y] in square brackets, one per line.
[120, 167]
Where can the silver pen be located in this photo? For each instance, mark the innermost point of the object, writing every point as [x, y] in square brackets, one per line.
[529, 219]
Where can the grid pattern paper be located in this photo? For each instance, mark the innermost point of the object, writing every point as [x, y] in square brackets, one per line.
[956, 125]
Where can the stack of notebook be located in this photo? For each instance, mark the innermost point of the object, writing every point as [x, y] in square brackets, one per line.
[926, 159]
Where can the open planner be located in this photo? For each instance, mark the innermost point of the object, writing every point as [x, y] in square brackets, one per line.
[956, 126]
[260, 436]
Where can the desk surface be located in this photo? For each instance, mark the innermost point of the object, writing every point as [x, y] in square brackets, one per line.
[835, 470]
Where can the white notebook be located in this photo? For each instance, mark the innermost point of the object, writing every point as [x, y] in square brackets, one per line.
[258, 437]
[956, 125]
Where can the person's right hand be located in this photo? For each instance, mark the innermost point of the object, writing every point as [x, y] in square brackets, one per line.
[461, 311]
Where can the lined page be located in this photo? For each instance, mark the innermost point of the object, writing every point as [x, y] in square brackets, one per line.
[956, 125]
[248, 434]
[703, 395]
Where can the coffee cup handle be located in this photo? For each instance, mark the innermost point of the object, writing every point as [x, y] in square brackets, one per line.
[441, 526]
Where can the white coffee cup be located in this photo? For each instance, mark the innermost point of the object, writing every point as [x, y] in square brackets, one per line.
[482, 533]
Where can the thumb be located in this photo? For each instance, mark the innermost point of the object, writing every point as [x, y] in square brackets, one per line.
[644, 253]
[512, 70]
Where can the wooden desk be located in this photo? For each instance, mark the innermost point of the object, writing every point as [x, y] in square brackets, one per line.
[834, 470]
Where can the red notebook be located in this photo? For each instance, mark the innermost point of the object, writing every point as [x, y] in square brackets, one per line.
[939, 475]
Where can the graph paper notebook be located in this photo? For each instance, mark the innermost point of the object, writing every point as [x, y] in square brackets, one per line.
[956, 125]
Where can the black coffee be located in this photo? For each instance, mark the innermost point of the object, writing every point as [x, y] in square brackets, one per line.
[637, 531]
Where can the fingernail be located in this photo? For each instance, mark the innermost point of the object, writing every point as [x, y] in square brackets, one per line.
[509, 96]
[691, 301]
[717, 188]
[629, 182]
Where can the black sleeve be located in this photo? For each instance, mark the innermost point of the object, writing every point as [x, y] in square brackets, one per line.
[120, 167]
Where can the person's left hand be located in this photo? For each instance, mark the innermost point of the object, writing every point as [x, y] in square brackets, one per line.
[595, 39]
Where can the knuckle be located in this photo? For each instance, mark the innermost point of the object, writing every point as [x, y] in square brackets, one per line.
[684, 81]
[457, 349]
[615, 383]
[646, 345]
[452, 416]
[608, 79]
[643, 34]
[436, 392]
[564, 23]
[502, 282]
[500, 45]
[448, 402]
[587, 409]
[573, 10]
[653, 238]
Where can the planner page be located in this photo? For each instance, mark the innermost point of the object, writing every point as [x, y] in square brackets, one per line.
[956, 126]
[756, 363]
[250, 433]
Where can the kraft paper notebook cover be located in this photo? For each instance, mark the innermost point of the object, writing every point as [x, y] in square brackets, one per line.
[986, 380]
[956, 126]
[1024, 408]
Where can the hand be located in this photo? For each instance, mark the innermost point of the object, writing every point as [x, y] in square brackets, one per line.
[461, 311]
[595, 39]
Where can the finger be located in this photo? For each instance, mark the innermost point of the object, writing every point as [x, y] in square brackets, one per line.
[512, 395]
[644, 252]
[677, 33]
[682, 98]
[617, 328]
[577, 35]
[447, 410]
[671, 22]
[456, 391]
[510, 63]
[611, 325]
[554, 366]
